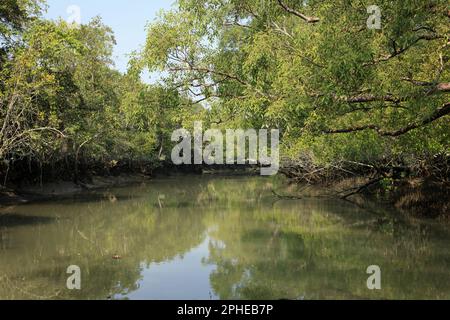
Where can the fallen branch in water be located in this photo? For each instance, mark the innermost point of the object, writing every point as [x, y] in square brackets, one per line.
[358, 190]
[286, 197]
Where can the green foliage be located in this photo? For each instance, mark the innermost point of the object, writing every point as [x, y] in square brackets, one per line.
[335, 88]
[15, 15]
[61, 99]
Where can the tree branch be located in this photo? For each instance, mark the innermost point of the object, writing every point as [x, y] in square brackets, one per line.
[363, 98]
[398, 52]
[298, 14]
[222, 74]
[439, 87]
[439, 113]
[360, 189]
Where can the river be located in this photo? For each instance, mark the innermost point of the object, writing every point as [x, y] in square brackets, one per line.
[193, 237]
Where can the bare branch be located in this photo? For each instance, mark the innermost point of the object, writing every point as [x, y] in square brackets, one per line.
[360, 189]
[443, 87]
[8, 115]
[298, 14]
[439, 87]
[363, 98]
[237, 24]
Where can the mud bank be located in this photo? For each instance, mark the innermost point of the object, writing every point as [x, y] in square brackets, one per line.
[60, 189]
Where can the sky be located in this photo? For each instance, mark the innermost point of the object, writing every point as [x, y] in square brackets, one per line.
[127, 18]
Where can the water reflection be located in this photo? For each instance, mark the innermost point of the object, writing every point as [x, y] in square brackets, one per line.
[210, 238]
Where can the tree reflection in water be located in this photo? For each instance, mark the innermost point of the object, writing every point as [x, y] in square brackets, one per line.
[254, 247]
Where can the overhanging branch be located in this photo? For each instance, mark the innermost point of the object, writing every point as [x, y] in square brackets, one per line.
[439, 113]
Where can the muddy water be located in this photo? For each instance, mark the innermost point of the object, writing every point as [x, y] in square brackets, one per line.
[217, 238]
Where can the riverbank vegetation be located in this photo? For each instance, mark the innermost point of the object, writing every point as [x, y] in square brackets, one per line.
[65, 111]
[349, 101]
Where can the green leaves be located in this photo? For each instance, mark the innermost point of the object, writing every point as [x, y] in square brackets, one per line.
[335, 88]
[270, 66]
[16, 14]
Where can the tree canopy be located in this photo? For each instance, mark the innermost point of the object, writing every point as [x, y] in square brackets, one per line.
[337, 89]
[63, 104]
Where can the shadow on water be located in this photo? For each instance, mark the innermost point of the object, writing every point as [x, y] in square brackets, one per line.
[88, 197]
[15, 220]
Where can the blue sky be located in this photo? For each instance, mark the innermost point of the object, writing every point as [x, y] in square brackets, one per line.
[127, 18]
